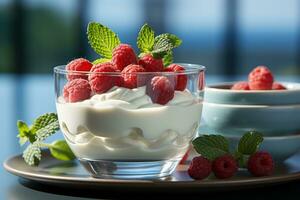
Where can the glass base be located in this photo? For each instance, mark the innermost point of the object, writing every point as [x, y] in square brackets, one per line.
[130, 169]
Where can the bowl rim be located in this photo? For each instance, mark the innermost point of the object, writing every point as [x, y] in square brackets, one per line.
[212, 87]
[190, 68]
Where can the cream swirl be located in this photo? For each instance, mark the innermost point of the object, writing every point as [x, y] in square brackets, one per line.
[135, 98]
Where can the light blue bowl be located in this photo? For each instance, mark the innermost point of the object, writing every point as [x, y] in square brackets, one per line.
[221, 94]
[281, 147]
[234, 112]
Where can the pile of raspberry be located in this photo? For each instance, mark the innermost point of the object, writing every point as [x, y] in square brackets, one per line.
[260, 78]
[124, 70]
[259, 164]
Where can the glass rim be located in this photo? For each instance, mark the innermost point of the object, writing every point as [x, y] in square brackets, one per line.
[189, 69]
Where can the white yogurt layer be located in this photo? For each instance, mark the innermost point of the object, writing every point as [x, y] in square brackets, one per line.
[124, 124]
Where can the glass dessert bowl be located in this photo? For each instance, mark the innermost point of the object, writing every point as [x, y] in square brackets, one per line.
[129, 129]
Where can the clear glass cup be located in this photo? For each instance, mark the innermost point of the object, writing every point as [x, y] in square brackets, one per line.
[121, 133]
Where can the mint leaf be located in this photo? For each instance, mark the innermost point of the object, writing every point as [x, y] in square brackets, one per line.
[32, 154]
[60, 150]
[176, 42]
[164, 43]
[43, 121]
[211, 146]
[250, 142]
[47, 131]
[102, 39]
[100, 60]
[25, 133]
[145, 39]
[168, 58]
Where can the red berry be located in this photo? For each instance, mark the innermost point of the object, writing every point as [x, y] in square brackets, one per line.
[151, 64]
[160, 89]
[101, 82]
[260, 78]
[122, 56]
[77, 90]
[200, 168]
[130, 77]
[79, 64]
[278, 86]
[261, 164]
[224, 166]
[181, 80]
[242, 85]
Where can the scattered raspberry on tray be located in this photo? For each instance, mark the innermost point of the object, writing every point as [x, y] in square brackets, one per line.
[260, 78]
[224, 166]
[77, 90]
[151, 64]
[181, 80]
[131, 79]
[200, 168]
[261, 164]
[122, 56]
[278, 86]
[99, 81]
[242, 85]
[80, 65]
[160, 89]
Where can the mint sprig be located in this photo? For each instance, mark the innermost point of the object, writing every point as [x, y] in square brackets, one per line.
[160, 46]
[102, 39]
[43, 127]
[214, 146]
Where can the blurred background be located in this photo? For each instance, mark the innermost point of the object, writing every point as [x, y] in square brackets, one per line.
[229, 37]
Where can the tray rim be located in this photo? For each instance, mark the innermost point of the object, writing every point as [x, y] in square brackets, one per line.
[252, 181]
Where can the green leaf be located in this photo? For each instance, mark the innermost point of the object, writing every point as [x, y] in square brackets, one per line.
[100, 60]
[102, 39]
[32, 154]
[162, 45]
[47, 131]
[145, 39]
[44, 120]
[60, 150]
[211, 146]
[250, 142]
[168, 58]
[176, 42]
[25, 134]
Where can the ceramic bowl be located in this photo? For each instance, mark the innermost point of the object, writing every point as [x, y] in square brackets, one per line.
[233, 112]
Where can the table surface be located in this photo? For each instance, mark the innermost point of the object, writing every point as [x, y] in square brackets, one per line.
[25, 97]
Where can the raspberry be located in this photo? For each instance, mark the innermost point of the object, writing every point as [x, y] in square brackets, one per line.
[260, 78]
[77, 90]
[224, 166]
[261, 164]
[278, 86]
[79, 64]
[200, 168]
[122, 56]
[131, 79]
[151, 64]
[242, 85]
[101, 82]
[181, 80]
[160, 90]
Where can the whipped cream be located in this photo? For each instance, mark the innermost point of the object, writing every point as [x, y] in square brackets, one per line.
[124, 124]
